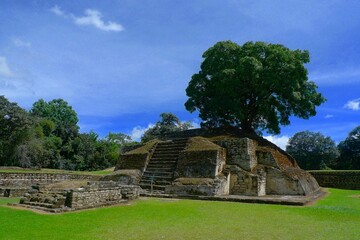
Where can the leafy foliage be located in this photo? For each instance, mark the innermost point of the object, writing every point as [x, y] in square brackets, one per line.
[169, 123]
[15, 125]
[350, 151]
[49, 136]
[256, 86]
[61, 114]
[312, 150]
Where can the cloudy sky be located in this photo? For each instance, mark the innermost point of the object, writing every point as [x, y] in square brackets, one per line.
[122, 63]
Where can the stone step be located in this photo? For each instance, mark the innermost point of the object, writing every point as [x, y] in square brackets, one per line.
[162, 164]
[165, 155]
[160, 161]
[171, 146]
[158, 182]
[157, 178]
[155, 187]
[160, 145]
[159, 169]
[39, 204]
[167, 151]
[155, 175]
[156, 160]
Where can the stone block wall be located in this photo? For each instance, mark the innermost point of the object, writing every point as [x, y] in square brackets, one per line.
[13, 191]
[83, 198]
[209, 187]
[95, 194]
[28, 179]
[266, 158]
[338, 179]
[279, 183]
[125, 177]
[99, 194]
[240, 152]
[133, 161]
[242, 182]
[206, 163]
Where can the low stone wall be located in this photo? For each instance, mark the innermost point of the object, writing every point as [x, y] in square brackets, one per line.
[338, 179]
[28, 179]
[13, 191]
[95, 194]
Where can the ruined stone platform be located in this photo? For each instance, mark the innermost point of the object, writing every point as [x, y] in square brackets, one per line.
[293, 200]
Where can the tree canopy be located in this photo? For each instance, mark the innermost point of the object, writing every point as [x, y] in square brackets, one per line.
[256, 86]
[15, 125]
[312, 150]
[350, 150]
[169, 123]
[49, 137]
[59, 112]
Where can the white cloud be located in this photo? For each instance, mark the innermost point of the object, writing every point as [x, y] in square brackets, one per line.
[138, 131]
[328, 116]
[57, 11]
[20, 43]
[92, 17]
[195, 123]
[4, 68]
[353, 104]
[279, 141]
[340, 76]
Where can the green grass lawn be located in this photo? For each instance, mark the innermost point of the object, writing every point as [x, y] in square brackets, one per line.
[335, 217]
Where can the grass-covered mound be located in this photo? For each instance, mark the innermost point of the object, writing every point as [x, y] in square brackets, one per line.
[334, 217]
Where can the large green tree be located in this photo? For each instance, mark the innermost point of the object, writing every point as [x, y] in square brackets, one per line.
[167, 124]
[350, 150]
[61, 114]
[15, 126]
[256, 86]
[312, 150]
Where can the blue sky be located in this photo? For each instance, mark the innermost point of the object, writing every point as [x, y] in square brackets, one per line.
[122, 63]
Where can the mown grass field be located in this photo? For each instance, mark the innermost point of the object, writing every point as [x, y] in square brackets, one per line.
[335, 217]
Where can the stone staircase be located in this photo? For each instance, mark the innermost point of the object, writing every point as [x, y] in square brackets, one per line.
[160, 170]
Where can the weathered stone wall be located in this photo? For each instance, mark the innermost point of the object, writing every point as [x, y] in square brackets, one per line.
[199, 186]
[338, 179]
[138, 157]
[266, 158]
[28, 179]
[134, 161]
[125, 177]
[95, 194]
[93, 198]
[13, 191]
[278, 183]
[206, 164]
[240, 152]
[242, 182]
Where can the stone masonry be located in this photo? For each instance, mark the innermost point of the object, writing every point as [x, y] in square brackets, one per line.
[227, 162]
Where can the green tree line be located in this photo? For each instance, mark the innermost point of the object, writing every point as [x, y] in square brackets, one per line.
[48, 136]
[314, 151]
